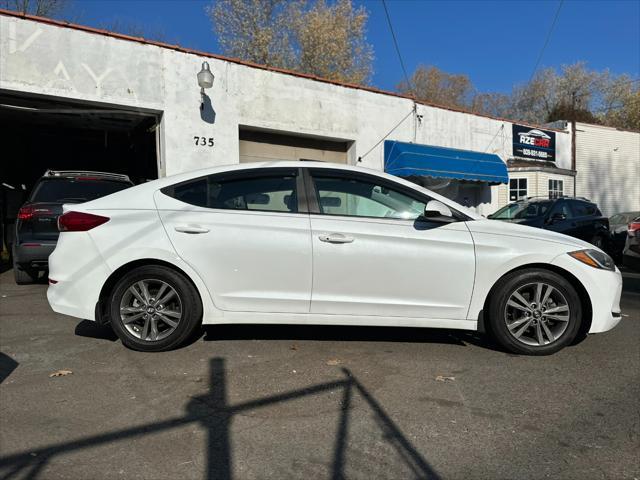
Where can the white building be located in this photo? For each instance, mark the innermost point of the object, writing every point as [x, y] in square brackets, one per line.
[608, 167]
[76, 97]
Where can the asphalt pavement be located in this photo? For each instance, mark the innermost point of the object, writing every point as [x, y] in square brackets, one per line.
[290, 402]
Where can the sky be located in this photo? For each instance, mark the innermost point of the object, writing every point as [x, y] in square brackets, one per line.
[496, 43]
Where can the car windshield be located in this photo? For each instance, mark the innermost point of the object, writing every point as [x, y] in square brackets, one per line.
[522, 210]
[75, 190]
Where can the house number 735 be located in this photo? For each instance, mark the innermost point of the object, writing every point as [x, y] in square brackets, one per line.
[204, 141]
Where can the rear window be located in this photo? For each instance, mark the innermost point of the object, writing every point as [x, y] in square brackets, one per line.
[73, 190]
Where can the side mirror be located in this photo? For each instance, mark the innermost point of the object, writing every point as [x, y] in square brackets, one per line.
[437, 211]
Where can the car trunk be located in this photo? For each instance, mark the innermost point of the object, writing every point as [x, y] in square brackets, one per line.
[39, 222]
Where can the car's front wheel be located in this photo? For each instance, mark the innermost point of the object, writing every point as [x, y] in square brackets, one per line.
[534, 312]
[154, 308]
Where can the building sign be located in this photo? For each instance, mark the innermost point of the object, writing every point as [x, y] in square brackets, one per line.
[533, 143]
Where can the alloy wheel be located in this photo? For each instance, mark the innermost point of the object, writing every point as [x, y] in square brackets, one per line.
[150, 309]
[537, 314]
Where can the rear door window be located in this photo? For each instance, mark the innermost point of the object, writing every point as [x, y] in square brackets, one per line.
[269, 191]
[583, 209]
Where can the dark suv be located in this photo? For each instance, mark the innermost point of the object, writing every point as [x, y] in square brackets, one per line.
[573, 216]
[36, 225]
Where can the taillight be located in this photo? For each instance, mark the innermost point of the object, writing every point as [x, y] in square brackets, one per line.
[79, 221]
[25, 213]
[28, 212]
[633, 229]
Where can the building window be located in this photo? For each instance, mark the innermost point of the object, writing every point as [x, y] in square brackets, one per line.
[556, 188]
[517, 189]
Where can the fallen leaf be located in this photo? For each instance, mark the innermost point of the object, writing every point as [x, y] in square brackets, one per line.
[60, 373]
[442, 378]
[293, 347]
[333, 361]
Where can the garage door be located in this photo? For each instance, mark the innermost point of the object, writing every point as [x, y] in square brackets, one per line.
[260, 146]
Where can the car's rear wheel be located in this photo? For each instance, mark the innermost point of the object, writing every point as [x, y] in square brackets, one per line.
[534, 312]
[24, 275]
[154, 308]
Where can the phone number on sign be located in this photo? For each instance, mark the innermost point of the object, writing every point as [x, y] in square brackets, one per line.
[535, 153]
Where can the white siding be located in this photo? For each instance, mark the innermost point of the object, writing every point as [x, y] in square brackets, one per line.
[608, 166]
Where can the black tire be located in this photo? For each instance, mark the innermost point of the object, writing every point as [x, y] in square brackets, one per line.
[24, 276]
[498, 315]
[189, 299]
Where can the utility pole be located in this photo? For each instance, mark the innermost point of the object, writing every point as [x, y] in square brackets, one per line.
[573, 140]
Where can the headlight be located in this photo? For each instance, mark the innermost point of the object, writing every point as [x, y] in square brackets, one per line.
[594, 259]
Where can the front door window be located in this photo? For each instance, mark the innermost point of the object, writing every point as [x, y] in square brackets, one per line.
[354, 197]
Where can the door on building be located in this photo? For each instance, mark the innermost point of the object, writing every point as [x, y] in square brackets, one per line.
[261, 146]
[369, 228]
[249, 228]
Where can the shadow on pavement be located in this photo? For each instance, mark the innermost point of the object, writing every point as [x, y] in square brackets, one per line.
[90, 329]
[7, 365]
[213, 412]
[347, 334]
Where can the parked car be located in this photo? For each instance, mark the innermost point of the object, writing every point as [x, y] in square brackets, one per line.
[573, 216]
[618, 225]
[631, 252]
[36, 230]
[318, 243]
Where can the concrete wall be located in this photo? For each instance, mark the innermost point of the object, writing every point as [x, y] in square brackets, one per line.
[64, 62]
[608, 166]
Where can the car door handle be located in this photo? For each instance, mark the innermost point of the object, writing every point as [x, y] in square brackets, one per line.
[191, 229]
[335, 238]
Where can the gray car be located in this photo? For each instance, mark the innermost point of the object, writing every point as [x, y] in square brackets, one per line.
[618, 224]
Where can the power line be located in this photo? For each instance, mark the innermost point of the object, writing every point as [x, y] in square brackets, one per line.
[388, 133]
[395, 42]
[546, 42]
[494, 137]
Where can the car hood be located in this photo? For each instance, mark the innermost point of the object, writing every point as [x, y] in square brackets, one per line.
[515, 230]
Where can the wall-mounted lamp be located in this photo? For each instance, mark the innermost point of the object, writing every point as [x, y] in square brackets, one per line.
[205, 80]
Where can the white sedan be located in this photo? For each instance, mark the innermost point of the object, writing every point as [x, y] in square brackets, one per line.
[316, 243]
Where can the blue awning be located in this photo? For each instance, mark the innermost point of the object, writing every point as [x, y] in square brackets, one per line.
[411, 159]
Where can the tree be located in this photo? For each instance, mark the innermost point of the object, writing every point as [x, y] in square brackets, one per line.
[573, 93]
[40, 8]
[494, 104]
[432, 85]
[332, 41]
[316, 38]
[621, 103]
[258, 31]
